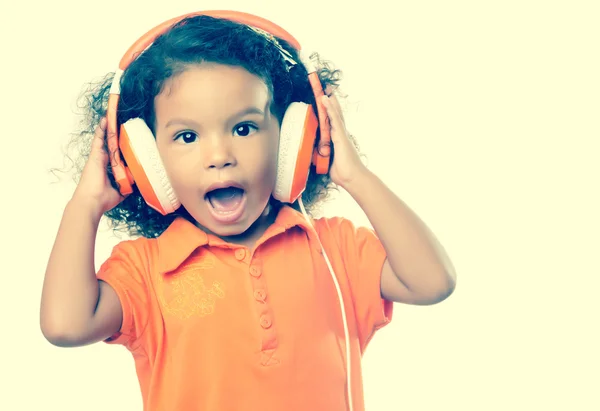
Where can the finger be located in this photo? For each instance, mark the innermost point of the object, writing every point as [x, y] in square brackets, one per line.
[100, 132]
[336, 103]
[334, 111]
[330, 89]
[97, 149]
[335, 120]
[332, 93]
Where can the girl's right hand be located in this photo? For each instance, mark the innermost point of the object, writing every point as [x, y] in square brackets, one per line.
[94, 188]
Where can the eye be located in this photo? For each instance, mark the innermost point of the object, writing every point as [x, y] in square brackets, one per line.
[187, 137]
[244, 130]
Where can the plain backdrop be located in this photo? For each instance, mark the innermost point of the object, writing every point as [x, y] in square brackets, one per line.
[482, 115]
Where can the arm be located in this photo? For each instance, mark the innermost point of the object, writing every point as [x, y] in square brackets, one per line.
[417, 270]
[77, 309]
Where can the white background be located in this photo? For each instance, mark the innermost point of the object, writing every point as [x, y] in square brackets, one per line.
[483, 116]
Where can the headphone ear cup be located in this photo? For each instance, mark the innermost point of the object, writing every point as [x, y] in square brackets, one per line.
[296, 145]
[138, 146]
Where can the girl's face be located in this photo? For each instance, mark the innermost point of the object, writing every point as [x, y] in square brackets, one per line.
[218, 141]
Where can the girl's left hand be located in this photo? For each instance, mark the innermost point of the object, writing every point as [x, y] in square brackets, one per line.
[347, 164]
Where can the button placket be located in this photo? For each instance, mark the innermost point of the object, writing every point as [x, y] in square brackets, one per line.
[265, 316]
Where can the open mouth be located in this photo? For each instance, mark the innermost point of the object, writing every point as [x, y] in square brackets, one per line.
[225, 199]
[227, 203]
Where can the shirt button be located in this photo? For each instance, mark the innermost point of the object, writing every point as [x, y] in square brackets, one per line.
[255, 271]
[265, 321]
[260, 295]
[240, 253]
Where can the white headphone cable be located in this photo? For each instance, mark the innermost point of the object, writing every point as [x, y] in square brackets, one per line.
[343, 309]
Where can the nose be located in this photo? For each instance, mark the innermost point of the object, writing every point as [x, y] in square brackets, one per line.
[218, 153]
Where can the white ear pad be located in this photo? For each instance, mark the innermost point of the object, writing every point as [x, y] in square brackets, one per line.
[143, 146]
[290, 140]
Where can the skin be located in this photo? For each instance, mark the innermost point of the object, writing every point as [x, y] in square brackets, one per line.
[213, 125]
[417, 269]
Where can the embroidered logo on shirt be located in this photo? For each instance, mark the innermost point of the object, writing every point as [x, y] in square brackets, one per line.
[188, 292]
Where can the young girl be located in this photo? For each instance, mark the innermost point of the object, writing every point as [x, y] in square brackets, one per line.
[231, 297]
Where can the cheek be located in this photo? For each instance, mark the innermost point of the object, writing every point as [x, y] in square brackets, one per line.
[175, 172]
[272, 148]
[269, 158]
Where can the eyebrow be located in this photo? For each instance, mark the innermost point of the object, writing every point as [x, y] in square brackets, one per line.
[249, 110]
[244, 112]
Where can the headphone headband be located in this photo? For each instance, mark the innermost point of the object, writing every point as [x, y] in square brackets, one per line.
[243, 18]
[260, 25]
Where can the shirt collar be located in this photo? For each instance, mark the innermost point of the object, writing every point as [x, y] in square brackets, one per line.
[182, 237]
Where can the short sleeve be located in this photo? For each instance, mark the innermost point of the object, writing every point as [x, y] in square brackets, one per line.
[126, 272]
[363, 257]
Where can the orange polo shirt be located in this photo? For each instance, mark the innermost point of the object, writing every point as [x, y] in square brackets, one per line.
[214, 326]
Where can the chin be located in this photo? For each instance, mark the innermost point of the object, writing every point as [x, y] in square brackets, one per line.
[246, 221]
[233, 229]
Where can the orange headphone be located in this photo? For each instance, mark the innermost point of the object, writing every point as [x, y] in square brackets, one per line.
[298, 146]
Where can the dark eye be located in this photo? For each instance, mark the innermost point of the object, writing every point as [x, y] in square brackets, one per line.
[186, 137]
[244, 130]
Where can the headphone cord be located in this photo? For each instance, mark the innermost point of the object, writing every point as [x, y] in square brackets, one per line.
[343, 310]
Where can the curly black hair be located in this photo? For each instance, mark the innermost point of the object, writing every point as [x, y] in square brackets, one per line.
[192, 41]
